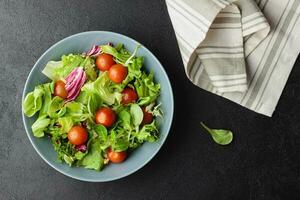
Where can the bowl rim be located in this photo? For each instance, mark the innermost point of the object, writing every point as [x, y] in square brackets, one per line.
[168, 84]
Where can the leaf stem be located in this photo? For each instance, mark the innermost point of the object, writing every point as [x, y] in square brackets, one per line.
[205, 127]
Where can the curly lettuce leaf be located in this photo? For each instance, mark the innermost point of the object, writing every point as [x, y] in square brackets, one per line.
[56, 70]
[148, 133]
[120, 56]
[146, 89]
[65, 150]
[119, 140]
[89, 68]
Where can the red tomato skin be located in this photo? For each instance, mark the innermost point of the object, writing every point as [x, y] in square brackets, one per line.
[60, 89]
[117, 73]
[104, 62]
[129, 95]
[116, 157]
[77, 135]
[148, 117]
[105, 116]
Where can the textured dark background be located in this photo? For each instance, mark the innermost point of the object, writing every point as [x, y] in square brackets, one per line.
[262, 162]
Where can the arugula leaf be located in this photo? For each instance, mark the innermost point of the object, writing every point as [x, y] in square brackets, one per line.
[137, 114]
[33, 101]
[40, 125]
[222, 137]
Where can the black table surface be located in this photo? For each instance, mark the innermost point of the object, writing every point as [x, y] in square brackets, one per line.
[263, 161]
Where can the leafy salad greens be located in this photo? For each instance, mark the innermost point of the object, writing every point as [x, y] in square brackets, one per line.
[99, 106]
[220, 136]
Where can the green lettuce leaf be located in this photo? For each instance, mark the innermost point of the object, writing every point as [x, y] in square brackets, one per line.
[91, 100]
[102, 136]
[40, 125]
[56, 70]
[56, 107]
[119, 140]
[125, 117]
[80, 155]
[146, 89]
[148, 133]
[66, 123]
[120, 57]
[65, 150]
[33, 101]
[48, 91]
[102, 88]
[89, 68]
[93, 159]
[134, 67]
[77, 111]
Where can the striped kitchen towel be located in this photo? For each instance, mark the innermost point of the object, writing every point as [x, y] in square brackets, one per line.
[243, 50]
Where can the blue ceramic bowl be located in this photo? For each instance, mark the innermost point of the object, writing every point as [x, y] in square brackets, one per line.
[82, 42]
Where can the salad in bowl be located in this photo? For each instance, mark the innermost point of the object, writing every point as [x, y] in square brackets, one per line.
[97, 108]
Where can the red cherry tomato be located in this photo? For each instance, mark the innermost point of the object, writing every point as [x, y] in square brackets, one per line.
[117, 73]
[148, 117]
[116, 157]
[129, 95]
[77, 135]
[60, 89]
[104, 62]
[105, 116]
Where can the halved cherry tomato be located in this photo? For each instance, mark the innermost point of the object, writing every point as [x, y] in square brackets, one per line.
[148, 117]
[116, 157]
[104, 62]
[105, 116]
[77, 135]
[129, 95]
[60, 89]
[117, 73]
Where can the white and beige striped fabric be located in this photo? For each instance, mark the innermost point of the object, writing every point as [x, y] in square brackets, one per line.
[243, 50]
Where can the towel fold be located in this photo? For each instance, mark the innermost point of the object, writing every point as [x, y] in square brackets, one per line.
[242, 50]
